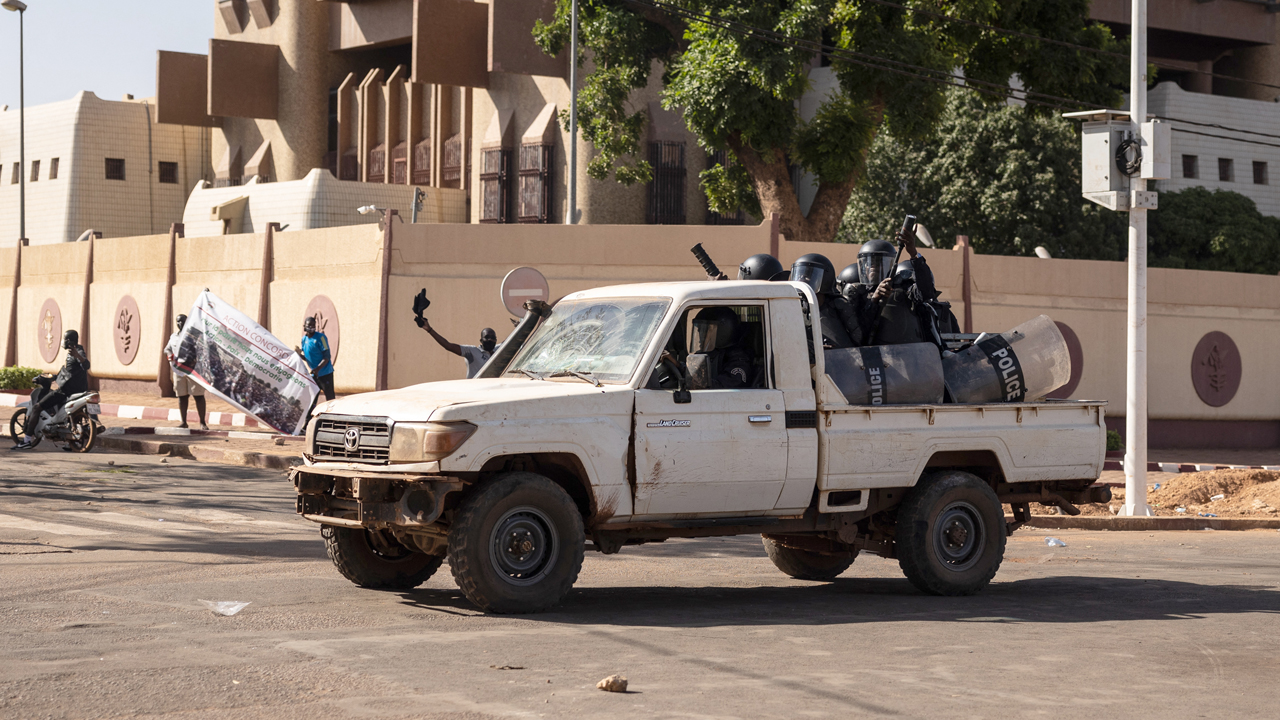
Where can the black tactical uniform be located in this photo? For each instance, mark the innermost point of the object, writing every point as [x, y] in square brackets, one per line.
[904, 315]
[716, 352]
[72, 379]
[841, 326]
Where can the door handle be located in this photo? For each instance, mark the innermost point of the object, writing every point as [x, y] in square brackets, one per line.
[759, 418]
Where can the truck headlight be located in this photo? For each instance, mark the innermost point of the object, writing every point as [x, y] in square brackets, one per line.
[424, 442]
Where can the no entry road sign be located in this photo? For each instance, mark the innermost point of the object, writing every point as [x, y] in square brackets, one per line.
[521, 284]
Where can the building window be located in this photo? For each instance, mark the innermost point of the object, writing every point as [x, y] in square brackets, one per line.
[17, 174]
[1259, 173]
[400, 164]
[53, 169]
[495, 186]
[115, 168]
[1226, 173]
[451, 164]
[35, 170]
[422, 162]
[1190, 166]
[666, 190]
[169, 173]
[535, 183]
[717, 159]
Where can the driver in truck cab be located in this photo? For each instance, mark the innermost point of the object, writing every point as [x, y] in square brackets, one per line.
[717, 359]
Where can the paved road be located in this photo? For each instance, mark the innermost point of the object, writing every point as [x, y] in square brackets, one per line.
[101, 567]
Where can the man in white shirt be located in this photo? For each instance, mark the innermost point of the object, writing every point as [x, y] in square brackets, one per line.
[476, 356]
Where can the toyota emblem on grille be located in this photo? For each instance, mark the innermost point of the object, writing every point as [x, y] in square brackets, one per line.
[351, 438]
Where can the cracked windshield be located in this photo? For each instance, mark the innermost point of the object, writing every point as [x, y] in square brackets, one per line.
[600, 338]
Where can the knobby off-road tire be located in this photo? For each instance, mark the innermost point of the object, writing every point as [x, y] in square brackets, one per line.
[516, 544]
[805, 564]
[951, 534]
[380, 562]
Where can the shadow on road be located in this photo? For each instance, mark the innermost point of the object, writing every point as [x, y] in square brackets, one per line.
[1063, 599]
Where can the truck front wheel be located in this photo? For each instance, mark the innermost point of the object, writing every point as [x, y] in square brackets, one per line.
[806, 564]
[950, 535]
[375, 559]
[516, 544]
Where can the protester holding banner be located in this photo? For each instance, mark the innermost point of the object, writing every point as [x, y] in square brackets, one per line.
[315, 350]
[183, 386]
[238, 360]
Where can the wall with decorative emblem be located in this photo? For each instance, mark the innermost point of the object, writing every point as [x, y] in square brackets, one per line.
[1214, 337]
[52, 297]
[127, 299]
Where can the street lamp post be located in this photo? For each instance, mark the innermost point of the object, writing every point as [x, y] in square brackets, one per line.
[21, 8]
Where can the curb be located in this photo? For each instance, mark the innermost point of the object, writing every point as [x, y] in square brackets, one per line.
[1185, 467]
[1094, 522]
[186, 432]
[138, 412]
[269, 461]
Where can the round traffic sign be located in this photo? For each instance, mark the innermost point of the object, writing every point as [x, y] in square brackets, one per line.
[521, 284]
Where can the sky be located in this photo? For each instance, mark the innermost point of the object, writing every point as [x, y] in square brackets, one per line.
[104, 46]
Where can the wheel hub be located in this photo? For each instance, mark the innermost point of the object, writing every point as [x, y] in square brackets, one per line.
[524, 546]
[959, 536]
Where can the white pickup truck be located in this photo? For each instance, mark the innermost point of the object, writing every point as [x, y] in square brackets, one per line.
[590, 432]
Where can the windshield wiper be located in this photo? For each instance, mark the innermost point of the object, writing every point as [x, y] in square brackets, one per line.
[531, 374]
[580, 375]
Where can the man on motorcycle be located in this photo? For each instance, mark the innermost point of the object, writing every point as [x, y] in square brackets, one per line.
[73, 379]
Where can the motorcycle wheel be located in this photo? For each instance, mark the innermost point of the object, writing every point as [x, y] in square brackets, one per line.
[83, 434]
[18, 420]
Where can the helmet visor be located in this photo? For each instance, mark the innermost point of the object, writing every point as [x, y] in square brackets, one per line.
[810, 275]
[705, 334]
[874, 268]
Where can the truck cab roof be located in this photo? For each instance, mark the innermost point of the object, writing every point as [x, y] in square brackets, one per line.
[699, 290]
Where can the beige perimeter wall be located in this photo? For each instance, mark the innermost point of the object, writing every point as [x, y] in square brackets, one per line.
[461, 267]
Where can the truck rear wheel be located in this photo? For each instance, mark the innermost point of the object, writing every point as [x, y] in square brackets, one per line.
[375, 559]
[951, 535]
[806, 564]
[516, 544]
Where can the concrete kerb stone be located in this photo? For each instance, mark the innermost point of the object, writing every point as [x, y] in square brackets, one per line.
[1118, 466]
[1139, 524]
[121, 442]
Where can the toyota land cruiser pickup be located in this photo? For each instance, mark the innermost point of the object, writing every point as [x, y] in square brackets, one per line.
[591, 433]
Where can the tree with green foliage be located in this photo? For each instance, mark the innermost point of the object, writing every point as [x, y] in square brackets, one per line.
[1199, 229]
[1006, 177]
[737, 68]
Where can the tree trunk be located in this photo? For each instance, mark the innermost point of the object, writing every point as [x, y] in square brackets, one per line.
[772, 181]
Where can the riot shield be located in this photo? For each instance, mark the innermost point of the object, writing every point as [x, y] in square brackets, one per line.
[909, 374]
[1023, 364]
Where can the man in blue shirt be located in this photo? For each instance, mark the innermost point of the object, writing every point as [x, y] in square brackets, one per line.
[315, 350]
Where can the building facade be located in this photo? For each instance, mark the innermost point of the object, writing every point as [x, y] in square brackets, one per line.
[101, 165]
[451, 94]
[1218, 75]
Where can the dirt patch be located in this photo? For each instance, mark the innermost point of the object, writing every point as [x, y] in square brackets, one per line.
[1245, 494]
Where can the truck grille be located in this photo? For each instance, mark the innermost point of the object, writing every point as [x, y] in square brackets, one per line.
[352, 438]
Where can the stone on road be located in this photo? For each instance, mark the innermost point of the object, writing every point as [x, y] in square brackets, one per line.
[102, 569]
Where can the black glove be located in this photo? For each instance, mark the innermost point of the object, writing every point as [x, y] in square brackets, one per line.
[420, 321]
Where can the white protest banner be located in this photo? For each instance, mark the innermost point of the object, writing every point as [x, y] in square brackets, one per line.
[236, 359]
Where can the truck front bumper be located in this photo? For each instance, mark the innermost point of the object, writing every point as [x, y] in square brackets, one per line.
[354, 498]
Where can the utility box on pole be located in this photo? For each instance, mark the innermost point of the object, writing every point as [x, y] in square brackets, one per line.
[1103, 157]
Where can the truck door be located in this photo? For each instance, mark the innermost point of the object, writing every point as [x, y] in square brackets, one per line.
[723, 452]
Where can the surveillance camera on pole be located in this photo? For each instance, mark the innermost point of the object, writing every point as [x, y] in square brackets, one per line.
[1120, 151]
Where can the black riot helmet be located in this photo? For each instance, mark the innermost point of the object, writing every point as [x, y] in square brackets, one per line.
[761, 267]
[714, 328]
[904, 273]
[182, 320]
[816, 271]
[70, 339]
[875, 261]
[488, 339]
[848, 276]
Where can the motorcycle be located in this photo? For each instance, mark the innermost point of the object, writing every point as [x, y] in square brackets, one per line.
[72, 424]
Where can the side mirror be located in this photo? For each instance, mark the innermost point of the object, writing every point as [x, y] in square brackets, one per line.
[681, 395]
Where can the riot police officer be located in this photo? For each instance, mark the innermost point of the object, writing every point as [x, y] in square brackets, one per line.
[841, 326]
[896, 305]
[762, 266]
[717, 359]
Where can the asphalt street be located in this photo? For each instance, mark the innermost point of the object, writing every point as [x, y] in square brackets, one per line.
[102, 567]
